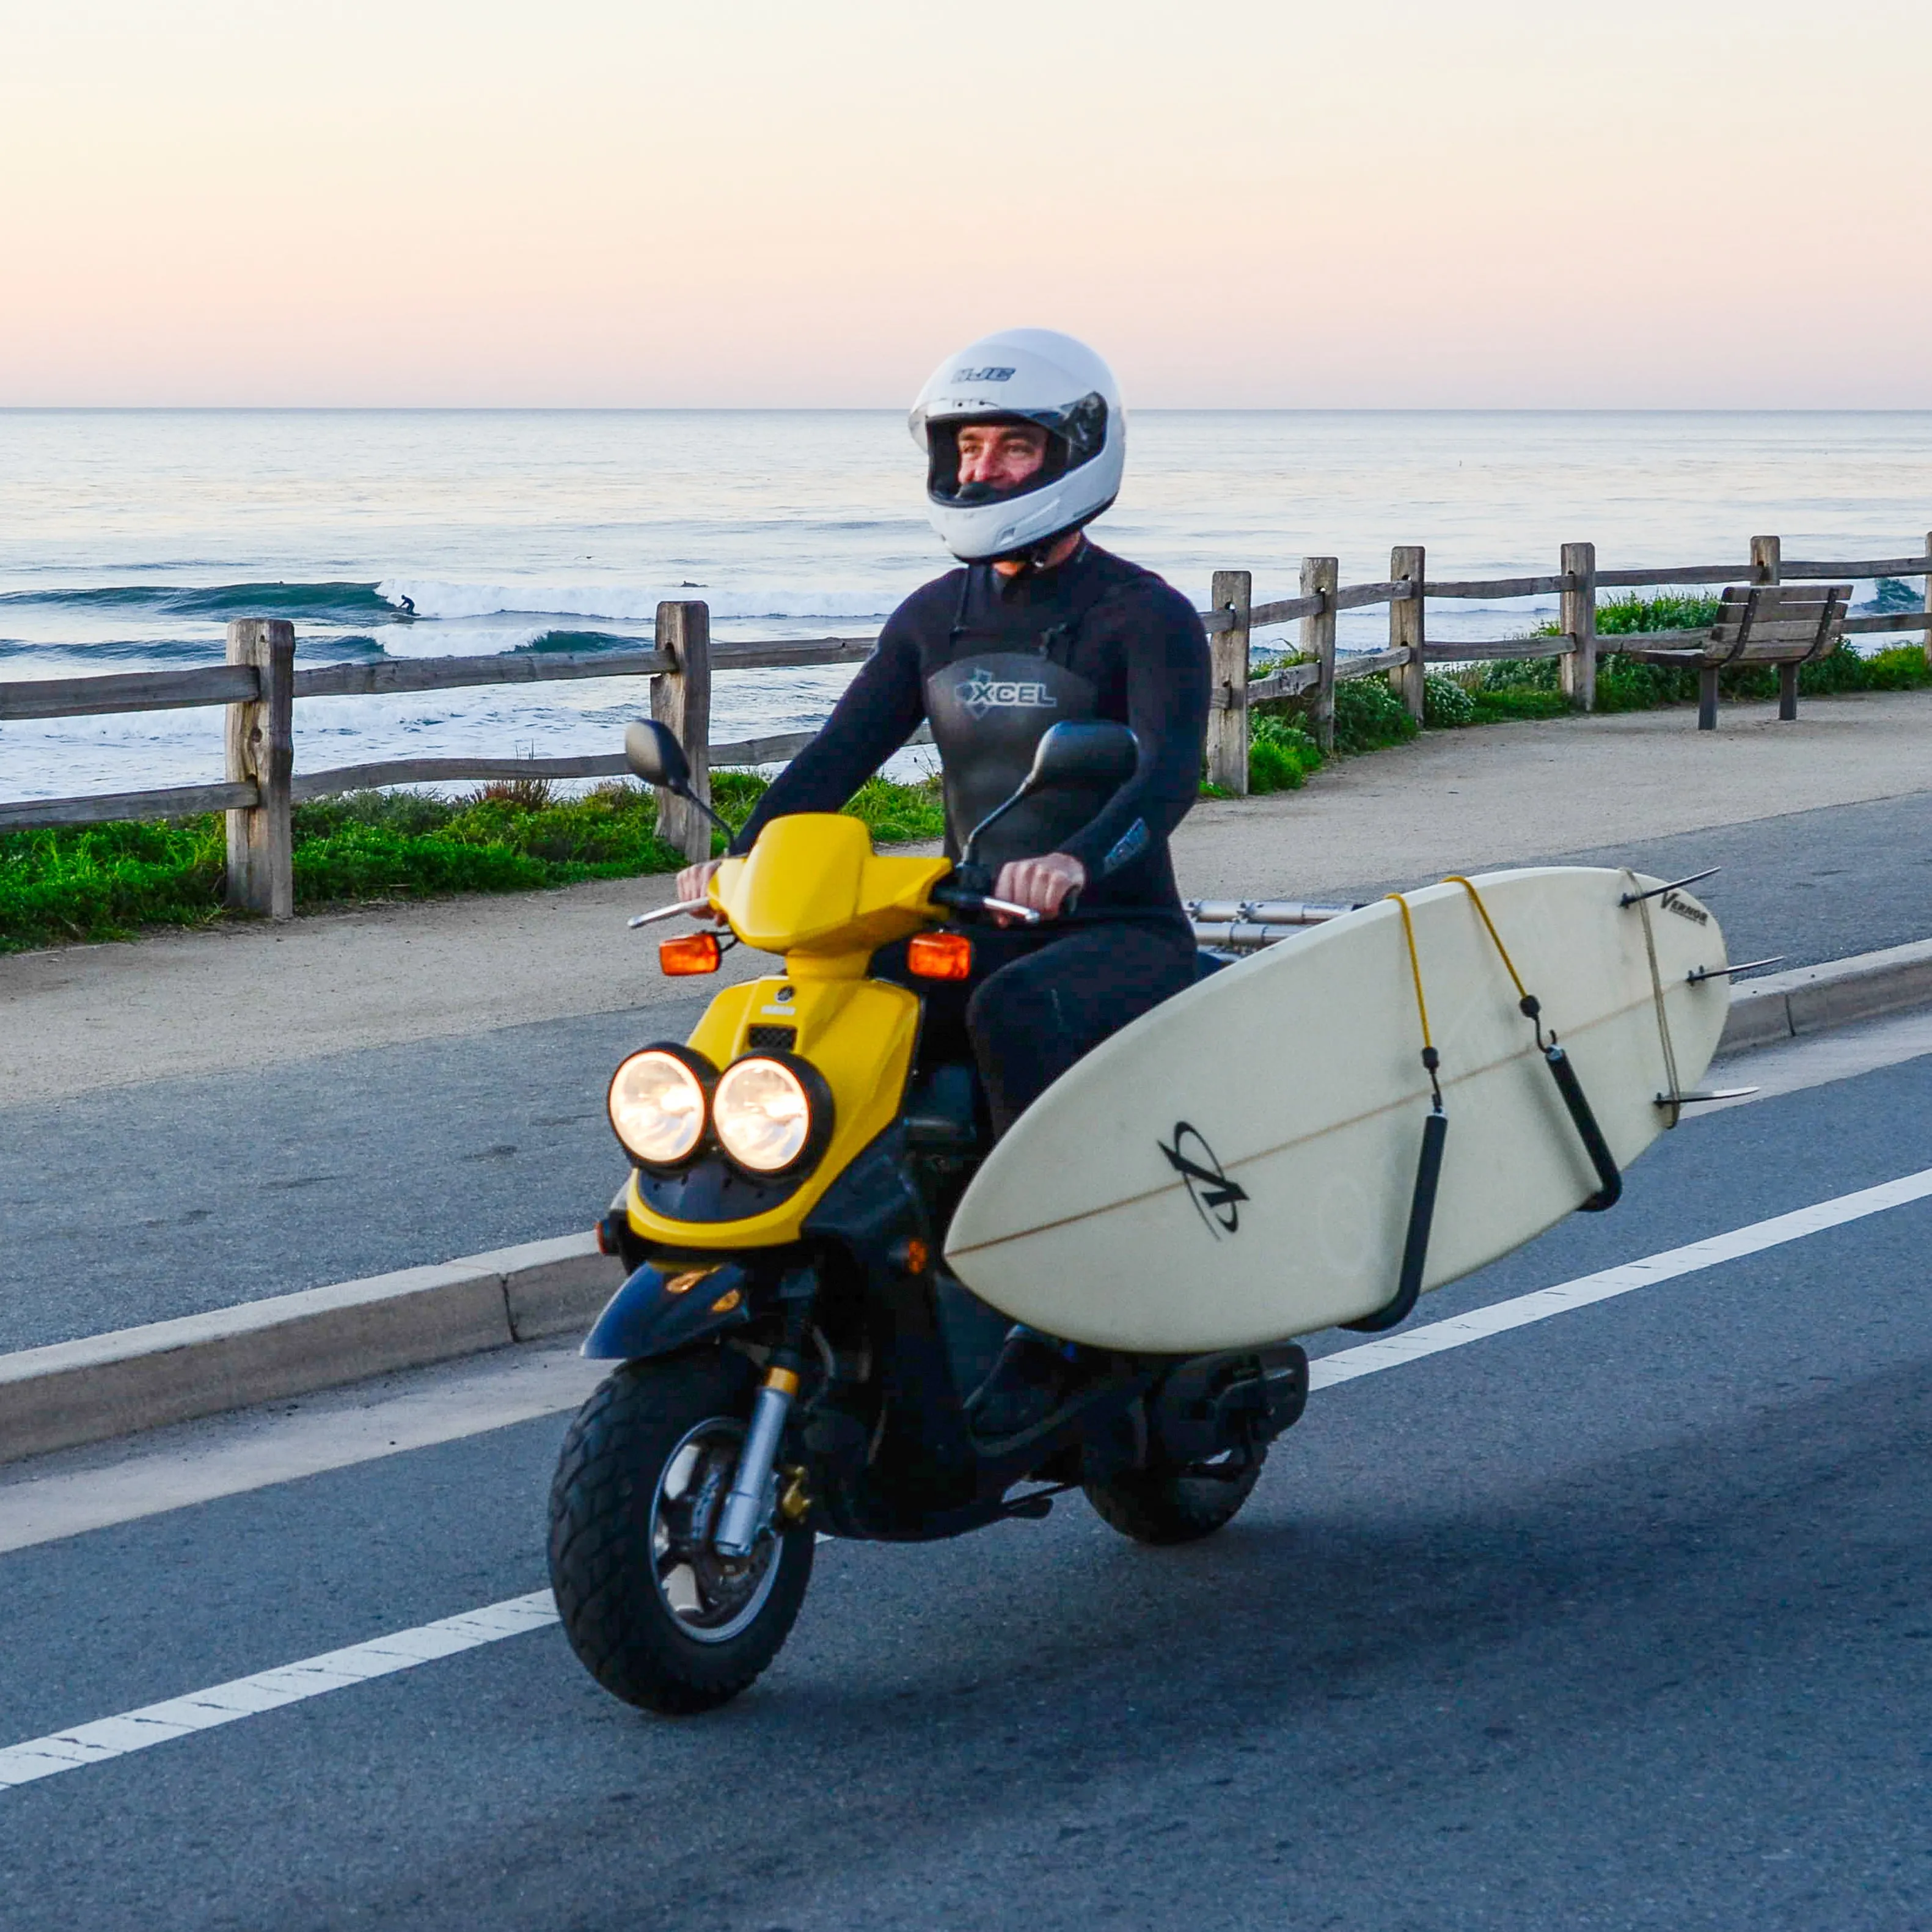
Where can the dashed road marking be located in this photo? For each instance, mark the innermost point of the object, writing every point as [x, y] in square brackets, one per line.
[269, 1690]
[335, 1670]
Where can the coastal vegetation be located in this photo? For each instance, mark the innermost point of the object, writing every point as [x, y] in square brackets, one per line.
[105, 882]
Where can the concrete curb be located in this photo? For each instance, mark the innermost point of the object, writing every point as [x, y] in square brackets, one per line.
[132, 1379]
[1781, 1005]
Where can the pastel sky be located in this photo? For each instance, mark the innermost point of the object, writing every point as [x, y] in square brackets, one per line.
[1376, 203]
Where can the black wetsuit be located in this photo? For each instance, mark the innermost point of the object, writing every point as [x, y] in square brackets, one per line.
[993, 662]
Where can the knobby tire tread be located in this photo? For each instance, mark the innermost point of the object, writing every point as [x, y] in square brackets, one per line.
[606, 1476]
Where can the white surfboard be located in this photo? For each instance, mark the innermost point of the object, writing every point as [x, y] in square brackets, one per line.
[1237, 1166]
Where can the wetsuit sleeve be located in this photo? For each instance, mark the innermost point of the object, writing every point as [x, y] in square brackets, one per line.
[881, 708]
[1167, 681]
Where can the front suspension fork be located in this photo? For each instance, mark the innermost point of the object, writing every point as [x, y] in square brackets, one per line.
[748, 1507]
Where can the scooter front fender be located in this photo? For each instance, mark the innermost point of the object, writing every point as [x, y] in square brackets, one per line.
[666, 1306]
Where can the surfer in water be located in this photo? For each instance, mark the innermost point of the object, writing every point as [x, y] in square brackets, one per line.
[1025, 444]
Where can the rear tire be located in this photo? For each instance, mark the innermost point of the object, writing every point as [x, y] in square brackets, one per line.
[1164, 1506]
[652, 1612]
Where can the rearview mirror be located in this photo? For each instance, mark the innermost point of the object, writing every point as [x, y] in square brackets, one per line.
[1093, 753]
[653, 754]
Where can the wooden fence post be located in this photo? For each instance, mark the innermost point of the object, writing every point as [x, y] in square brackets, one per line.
[260, 742]
[681, 697]
[1231, 591]
[1579, 668]
[1320, 575]
[1767, 560]
[1406, 629]
[1928, 633]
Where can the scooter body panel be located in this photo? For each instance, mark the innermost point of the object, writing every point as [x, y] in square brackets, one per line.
[860, 1034]
[665, 1306]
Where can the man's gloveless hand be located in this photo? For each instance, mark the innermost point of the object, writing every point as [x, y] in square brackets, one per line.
[1043, 885]
[695, 882]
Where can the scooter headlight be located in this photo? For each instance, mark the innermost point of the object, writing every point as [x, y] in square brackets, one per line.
[657, 1105]
[770, 1114]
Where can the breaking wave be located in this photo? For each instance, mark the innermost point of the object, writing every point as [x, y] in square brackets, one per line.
[319, 603]
[617, 603]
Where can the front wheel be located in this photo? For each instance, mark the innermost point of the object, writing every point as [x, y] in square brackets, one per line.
[651, 1610]
[1169, 1506]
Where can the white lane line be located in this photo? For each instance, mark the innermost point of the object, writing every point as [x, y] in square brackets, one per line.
[269, 1690]
[1500, 1316]
[291, 1683]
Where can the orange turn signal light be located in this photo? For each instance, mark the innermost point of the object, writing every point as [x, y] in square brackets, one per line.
[690, 953]
[940, 956]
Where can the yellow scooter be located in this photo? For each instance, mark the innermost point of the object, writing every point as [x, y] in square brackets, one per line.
[793, 1356]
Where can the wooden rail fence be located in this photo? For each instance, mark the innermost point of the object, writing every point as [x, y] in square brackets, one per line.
[260, 685]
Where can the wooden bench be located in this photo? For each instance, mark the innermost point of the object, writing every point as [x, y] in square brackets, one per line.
[1785, 624]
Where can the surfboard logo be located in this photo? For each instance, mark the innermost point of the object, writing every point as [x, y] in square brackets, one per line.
[1217, 1199]
[983, 692]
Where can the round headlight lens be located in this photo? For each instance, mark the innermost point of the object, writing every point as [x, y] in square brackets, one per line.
[657, 1107]
[763, 1114]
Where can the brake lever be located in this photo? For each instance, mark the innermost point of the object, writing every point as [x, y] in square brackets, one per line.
[668, 912]
[1026, 915]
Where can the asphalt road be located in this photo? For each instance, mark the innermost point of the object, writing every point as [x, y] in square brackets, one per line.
[145, 1202]
[1622, 1620]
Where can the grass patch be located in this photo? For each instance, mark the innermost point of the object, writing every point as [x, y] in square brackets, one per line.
[104, 882]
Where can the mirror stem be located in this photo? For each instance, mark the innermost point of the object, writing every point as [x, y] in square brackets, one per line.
[970, 856]
[690, 797]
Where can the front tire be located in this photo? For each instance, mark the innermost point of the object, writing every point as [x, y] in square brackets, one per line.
[653, 1612]
[1167, 1506]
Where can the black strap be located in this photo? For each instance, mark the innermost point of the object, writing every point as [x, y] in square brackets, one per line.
[1610, 1180]
[1611, 1187]
[1428, 1166]
[1421, 1218]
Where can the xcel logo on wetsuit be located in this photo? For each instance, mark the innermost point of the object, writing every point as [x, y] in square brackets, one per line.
[980, 692]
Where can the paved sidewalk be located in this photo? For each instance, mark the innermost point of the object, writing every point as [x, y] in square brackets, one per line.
[180, 1004]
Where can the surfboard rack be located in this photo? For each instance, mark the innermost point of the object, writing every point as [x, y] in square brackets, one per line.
[1244, 925]
[1704, 973]
[1421, 1218]
[1657, 892]
[1583, 1118]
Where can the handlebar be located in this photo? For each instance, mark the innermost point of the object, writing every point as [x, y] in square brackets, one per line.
[960, 899]
[693, 907]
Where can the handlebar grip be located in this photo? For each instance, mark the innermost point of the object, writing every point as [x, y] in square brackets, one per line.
[960, 900]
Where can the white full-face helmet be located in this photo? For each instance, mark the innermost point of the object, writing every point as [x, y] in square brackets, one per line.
[1021, 375]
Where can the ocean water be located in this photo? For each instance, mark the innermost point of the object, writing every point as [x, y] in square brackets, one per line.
[127, 538]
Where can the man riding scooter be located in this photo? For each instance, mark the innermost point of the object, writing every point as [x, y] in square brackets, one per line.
[1025, 443]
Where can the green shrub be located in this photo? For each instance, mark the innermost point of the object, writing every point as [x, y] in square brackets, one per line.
[104, 882]
[1621, 617]
[1281, 756]
[900, 814]
[1446, 704]
[1369, 715]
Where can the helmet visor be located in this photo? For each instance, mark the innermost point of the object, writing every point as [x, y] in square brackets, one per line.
[1075, 435]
